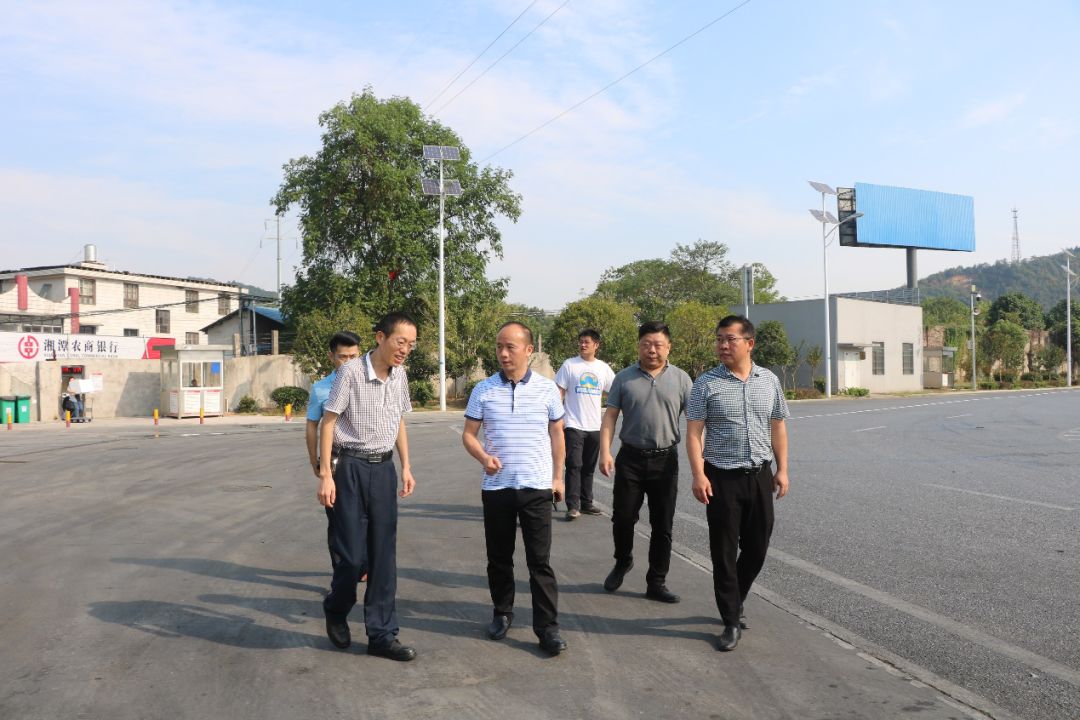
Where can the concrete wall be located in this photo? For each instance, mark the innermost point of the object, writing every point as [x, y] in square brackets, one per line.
[854, 324]
[132, 388]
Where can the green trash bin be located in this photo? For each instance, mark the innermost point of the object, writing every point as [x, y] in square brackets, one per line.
[22, 408]
[7, 407]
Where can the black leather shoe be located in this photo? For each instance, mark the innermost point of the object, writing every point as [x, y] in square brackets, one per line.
[552, 643]
[590, 510]
[615, 577]
[729, 638]
[661, 594]
[337, 629]
[394, 651]
[742, 619]
[498, 627]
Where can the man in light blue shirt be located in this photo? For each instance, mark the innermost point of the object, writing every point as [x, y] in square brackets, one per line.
[344, 346]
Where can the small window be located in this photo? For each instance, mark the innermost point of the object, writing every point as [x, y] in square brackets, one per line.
[191, 297]
[161, 321]
[46, 291]
[131, 332]
[131, 295]
[223, 304]
[88, 329]
[191, 338]
[909, 358]
[87, 291]
[879, 358]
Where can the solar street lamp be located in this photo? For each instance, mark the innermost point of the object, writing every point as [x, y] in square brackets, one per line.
[1069, 275]
[975, 299]
[442, 188]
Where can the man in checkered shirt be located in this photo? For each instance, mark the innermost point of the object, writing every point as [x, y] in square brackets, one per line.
[362, 423]
[740, 408]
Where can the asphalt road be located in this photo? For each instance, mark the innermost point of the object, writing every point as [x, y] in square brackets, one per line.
[145, 574]
[944, 529]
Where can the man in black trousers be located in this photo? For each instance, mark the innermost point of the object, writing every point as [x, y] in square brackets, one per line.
[740, 408]
[362, 423]
[650, 395]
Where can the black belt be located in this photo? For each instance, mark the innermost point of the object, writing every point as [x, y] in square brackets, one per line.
[749, 470]
[658, 452]
[373, 458]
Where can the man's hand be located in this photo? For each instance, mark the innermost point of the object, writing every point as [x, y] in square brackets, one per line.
[607, 464]
[702, 489]
[492, 465]
[558, 488]
[408, 484]
[780, 483]
[327, 491]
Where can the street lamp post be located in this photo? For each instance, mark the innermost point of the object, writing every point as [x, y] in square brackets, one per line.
[975, 298]
[442, 188]
[1069, 275]
[826, 218]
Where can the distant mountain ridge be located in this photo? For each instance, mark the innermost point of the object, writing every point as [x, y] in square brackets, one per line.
[1040, 278]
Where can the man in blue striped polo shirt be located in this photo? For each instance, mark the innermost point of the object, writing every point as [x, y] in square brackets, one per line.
[522, 455]
[740, 407]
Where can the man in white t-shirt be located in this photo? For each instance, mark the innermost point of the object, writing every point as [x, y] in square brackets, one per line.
[582, 380]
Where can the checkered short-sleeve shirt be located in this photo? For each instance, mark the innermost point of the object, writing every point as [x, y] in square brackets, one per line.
[369, 409]
[737, 415]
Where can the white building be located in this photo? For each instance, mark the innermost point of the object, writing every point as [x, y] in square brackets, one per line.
[88, 298]
[875, 345]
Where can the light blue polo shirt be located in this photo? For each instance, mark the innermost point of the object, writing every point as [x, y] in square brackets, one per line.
[516, 418]
[320, 391]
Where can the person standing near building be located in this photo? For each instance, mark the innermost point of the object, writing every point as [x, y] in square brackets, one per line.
[363, 421]
[582, 380]
[740, 409]
[651, 395]
[522, 456]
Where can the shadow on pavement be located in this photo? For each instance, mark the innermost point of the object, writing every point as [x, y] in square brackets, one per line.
[230, 571]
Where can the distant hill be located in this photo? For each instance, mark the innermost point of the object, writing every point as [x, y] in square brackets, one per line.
[252, 289]
[1040, 278]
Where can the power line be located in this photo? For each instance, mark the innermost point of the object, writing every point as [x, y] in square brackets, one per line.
[497, 60]
[618, 80]
[473, 61]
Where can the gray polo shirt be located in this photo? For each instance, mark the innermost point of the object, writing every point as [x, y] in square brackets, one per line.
[650, 406]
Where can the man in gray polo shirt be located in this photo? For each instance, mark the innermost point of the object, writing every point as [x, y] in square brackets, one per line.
[740, 407]
[650, 395]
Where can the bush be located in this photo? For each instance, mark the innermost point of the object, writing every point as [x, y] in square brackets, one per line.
[856, 392]
[290, 395]
[808, 393]
[819, 383]
[247, 404]
[421, 392]
[789, 394]
[1028, 377]
[469, 386]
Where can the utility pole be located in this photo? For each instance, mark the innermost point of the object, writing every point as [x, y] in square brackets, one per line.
[277, 288]
[1015, 239]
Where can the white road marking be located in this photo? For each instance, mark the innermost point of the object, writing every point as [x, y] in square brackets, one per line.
[929, 404]
[1000, 497]
[876, 427]
[953, 417]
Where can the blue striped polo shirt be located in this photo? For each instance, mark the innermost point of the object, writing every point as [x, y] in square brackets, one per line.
[515, 418]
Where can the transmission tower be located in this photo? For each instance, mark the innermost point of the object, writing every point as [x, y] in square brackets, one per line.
[1016, 240]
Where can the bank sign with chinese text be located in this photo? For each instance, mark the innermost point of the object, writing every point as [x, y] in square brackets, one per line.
[34, 347]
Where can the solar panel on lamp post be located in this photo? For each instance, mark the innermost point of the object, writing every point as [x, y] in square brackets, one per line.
[1069, 275]
[442, 189]
[821, 217]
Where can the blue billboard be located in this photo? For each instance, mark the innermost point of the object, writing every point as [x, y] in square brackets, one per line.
[899, 217]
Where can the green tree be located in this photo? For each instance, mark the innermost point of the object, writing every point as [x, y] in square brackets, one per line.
[946, 311]
[370, 234]
[814, 356]
[772, 349]
[764, 285]
[615, 321]
[1018, 308]
[1004, 343]
[1050, 359]
[1055, 320]
[311, 347]
[693, 336]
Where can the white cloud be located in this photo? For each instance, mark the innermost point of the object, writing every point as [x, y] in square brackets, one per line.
[992, 112]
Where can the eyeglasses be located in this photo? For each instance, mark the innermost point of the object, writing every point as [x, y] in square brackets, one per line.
[729, 339]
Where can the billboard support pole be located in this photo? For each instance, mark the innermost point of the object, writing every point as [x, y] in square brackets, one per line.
[912, 269]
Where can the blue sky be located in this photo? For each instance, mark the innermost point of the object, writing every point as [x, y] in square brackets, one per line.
[158, 130]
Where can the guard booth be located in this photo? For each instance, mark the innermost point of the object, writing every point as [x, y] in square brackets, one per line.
[193, 379]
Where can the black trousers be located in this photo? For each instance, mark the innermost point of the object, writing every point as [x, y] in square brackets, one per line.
[635, 478]
[740, 515]
[364, 526]
[503, 510]
[582, 451]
